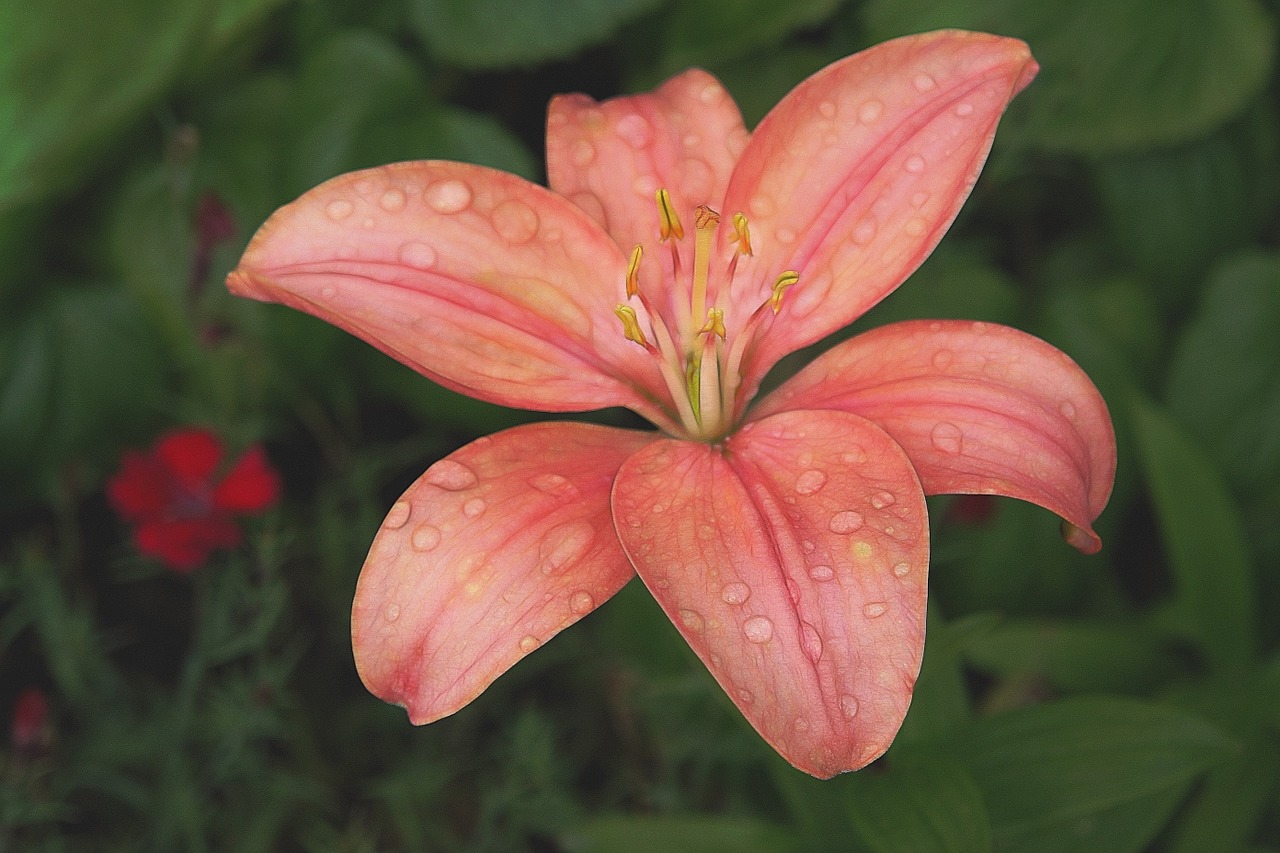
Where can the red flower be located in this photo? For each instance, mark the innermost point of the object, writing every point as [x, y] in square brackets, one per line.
[30, 732]
[179, 510]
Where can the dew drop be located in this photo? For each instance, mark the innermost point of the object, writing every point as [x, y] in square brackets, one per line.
[1068, 410]
[515, 221]
[735, 593]
[426, 537]
[745, 697]
[915, 227]
[827, 109]
[821, 574]
[398, 515]
[658, 508]
[528, 643]
[864, 232]
[566, 544]
[948, 438]
[943, 358]
[339, 209]
[635, 130]
[691, 140]
[810, 642]
[474, 508]
[901, 570]
[392, 200]
[417, 254]
[758, 629]
[451, 475]
[762, 206]
[448, 196]
[914, 164]
[692, 620]
[328, 291]
[583, 153]
[870, 112]
[964, 108]
[919, 199]
[875, 609]
[810, 482]
[845, 522]
[923, 82]
[711, 94]
[861, 550]
[785, 236]
[391, 612]
[554, 485]
[880, 500]
[849, 706]
[807, 546]
[581, 602]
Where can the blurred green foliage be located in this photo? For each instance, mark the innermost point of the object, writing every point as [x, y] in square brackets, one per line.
[1130, 214]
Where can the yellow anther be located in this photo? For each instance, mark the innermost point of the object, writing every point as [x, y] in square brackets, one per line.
[631, 325]
[633, 272]
[668, 223]
[784, 281]
[704, 218]
[741, 234]
[714, 324]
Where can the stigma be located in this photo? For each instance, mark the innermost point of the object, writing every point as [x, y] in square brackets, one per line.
[698, 346]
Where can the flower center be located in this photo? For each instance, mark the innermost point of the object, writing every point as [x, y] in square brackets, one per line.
[699, 357]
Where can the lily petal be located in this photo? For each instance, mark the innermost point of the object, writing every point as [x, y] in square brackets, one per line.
[853, 177]
[794, 562]
[493, 551]
[478, 279]
[611, 157]
[979, 408]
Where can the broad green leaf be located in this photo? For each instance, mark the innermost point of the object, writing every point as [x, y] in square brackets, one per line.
[1074, 656]
[1202, 538]
[1085, 774]
[1171, 212]
[1233, 799]
[1114, 75]
[74, 74]
[927, 805]
[707, 32]
[1224, 376]
[676, 834]
[500, 33]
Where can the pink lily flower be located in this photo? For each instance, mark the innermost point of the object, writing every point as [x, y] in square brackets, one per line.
[674, 261]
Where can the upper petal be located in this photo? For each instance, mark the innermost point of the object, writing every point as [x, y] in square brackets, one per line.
[853, 177]
[979, 408]
[493, 551]
[611, 157]
[486, 283]
[794, 562]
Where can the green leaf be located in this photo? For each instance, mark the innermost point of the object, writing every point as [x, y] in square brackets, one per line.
[921, 806]
[1114, 76]
[941, 699]
[1086, 774]
[1203, 539]
[1172, 212]
[1224, 377]
[74, 74]
[622, 834]
[706, 32]
[499, 33]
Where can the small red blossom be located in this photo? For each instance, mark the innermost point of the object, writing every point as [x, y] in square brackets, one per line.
[30, 732]
[180, 510]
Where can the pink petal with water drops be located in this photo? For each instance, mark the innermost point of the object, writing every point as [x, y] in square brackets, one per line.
[794, 561]
[980, 408]
[611, 157]
[480, 280]
[493, 551]
[853, 177]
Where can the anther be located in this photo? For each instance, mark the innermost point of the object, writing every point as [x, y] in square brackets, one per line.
[633, 272]
[787, 279]
[714, 324]
[668, 222]
[741, 234]
[631, 325]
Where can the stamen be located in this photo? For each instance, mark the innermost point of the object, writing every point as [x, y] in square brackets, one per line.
[714, 324]
[668, 222]
[784, 281]
[706, 221]
[741, 234]
[631, 325]
[633, 272]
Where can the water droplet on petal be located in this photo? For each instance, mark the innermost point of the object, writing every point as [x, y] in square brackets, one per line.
[692, 620]
[901, 570]
[566, 544]
[849, 706]
[923, 82]
[758, 629]
[735, 593]
[762, 206]
[964, 108]
[948, 438]
[391, 612]
[785, 236]
[328, 291]
[448, 196]
[870, 111]
[745, 697]
[528, 643]
[426, 537]
[398, 515]
[582, 602]
[845, 522]
[810, 482]
[515, 221]
[392, 200]
[943, 358]
[451, 475]
[827, 109]
[861, 550]
[914, 164]
[880, 500]
[821, 573]
[915, 227]
[634, 130]
[417, 254]
[875, 609]
[1067, 409]
[474, 508]
[810, 642]
[583, 153]
[918, 199]
[555, 485]
[339, 209]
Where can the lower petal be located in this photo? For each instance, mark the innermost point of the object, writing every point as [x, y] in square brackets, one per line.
[493, 551]
[794, 561]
